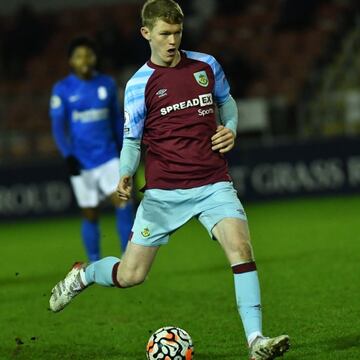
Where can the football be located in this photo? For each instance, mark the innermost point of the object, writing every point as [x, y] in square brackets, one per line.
[170, 343]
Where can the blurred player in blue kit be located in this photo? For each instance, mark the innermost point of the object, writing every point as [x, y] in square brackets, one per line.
[87, 125]
[170, 106]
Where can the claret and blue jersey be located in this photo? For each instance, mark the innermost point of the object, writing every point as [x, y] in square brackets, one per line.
[172, 109]
[86, 119]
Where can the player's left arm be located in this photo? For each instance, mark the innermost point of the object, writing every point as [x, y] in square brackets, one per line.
[224, 138]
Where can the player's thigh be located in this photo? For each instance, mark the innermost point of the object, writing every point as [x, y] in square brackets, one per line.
[159, 214]
[217, 202]
[234, 237]
[85, 189]
[136, 263]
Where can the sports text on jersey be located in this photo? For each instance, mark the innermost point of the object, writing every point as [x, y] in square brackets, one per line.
[91, 115]
[202, 100]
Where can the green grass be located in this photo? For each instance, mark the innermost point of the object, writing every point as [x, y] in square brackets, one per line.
[308, 256]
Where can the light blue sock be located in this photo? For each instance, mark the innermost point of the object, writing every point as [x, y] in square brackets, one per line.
[124, 222]
[248, 300]
[90, 233]
[102, 272]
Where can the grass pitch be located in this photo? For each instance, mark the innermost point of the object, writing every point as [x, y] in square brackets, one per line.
[308, 256]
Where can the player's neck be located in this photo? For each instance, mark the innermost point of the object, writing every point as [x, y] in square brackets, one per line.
[85, 76]
[159, 62]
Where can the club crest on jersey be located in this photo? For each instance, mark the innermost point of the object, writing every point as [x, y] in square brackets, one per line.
[55, 102]
[201, 78]
[102, 92]
[145, 232]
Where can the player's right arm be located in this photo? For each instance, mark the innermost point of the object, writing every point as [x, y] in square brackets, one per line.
[135, 114]
[129, 162]
[58, 115]
[59, 126]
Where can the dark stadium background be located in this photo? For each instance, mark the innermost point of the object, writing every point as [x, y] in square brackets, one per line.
[294, 69]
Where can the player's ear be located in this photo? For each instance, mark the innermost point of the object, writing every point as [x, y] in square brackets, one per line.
[145, 32]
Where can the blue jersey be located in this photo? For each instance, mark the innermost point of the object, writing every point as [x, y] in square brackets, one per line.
[86, 119]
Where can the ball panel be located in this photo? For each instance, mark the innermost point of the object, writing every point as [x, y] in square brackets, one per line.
[169, 343]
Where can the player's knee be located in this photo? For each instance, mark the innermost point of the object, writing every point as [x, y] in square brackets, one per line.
[242, 249]
[90, 214]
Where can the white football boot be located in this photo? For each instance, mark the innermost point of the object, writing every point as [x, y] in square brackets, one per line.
[264, 348]
[65, 290]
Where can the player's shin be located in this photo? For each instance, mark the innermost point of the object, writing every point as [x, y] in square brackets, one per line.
[90, 233]
[102, 272]
[248, 300]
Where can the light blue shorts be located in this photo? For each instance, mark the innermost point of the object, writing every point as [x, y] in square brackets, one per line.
[161, 212]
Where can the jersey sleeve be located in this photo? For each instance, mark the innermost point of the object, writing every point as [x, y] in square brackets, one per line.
[135, 110]
[222, 87]
[117, 118]
[59, 121]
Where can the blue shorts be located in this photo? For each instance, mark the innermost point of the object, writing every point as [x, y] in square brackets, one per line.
[161, 212]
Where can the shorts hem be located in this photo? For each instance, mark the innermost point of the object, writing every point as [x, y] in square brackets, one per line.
[137, 242]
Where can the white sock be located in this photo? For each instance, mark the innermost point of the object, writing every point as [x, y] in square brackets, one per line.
[83, 277]
[253, 336]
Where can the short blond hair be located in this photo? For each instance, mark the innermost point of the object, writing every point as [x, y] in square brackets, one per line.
[166, 10]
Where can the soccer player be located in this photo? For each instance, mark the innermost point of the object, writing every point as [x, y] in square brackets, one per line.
[87, 125]
[170, 107]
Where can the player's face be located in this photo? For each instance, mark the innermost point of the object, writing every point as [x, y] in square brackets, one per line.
[83, 61]
[164, 40]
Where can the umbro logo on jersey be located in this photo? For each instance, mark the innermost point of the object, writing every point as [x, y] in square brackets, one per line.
[161, 93]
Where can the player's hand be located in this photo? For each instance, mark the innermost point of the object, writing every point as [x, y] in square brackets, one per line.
[73, 165]
[124, 187]
[223, 140]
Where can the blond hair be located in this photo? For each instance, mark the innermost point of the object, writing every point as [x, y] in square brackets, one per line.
[166, 10]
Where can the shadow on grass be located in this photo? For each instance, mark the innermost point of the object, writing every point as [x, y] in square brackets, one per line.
[343, 342]
[18, 278]
[328, 346]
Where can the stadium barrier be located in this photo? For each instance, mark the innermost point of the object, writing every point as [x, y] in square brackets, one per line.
[298, 169]
[275, 171]
[35, 190]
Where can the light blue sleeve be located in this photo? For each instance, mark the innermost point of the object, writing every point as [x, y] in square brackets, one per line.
[135, 115]
[130, 157]
[135, 104]
[228, 112]
[59, 122]
[222, 87]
